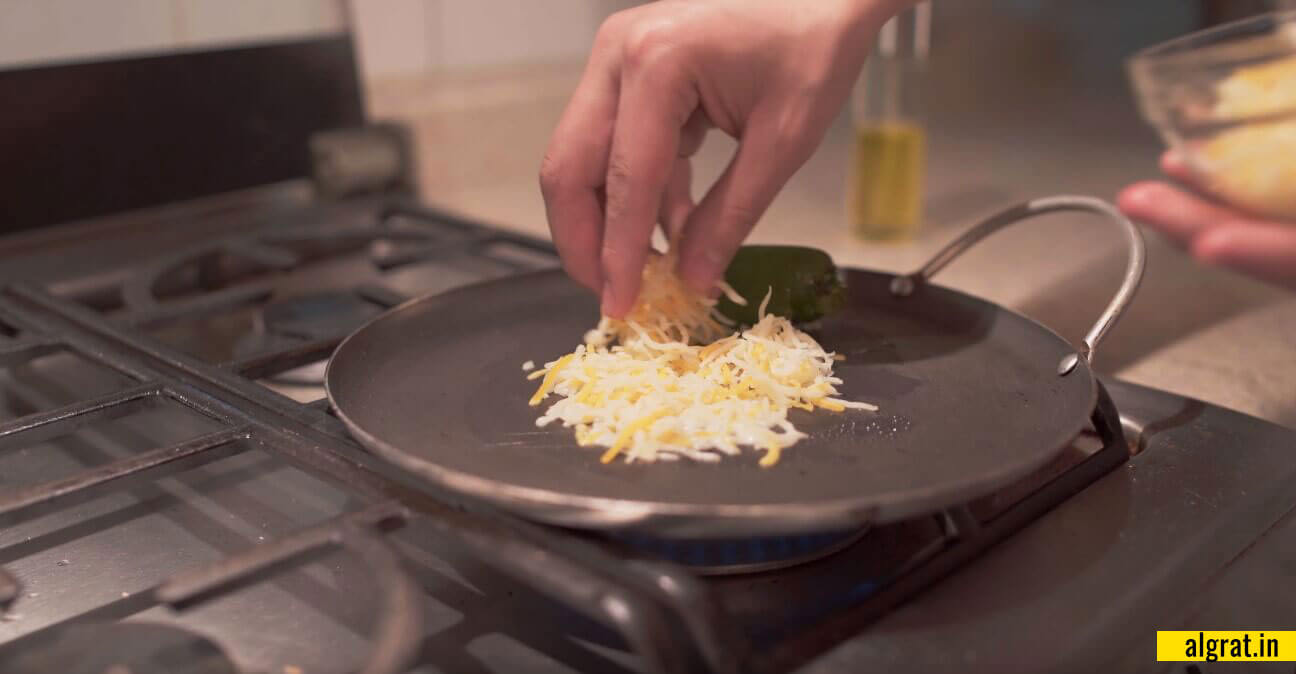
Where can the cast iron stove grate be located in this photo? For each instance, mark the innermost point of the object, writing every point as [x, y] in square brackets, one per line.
[673, 620]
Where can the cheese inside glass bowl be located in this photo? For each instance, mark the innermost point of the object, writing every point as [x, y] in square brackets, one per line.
[1225, 99]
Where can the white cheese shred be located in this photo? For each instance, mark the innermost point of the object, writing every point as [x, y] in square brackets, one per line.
[672, 380]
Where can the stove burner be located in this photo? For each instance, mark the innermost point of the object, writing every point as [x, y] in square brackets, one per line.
[315, 315]
[745, 555]
[117, 648]
[303, 318]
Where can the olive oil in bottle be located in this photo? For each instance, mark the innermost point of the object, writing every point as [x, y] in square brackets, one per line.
[886, 175]
[886, 179]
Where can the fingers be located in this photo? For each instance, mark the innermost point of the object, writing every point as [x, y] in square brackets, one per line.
[1174, 165]
[1265, 251]
[574, 168]
[1172, 211]
[765, 159]
[656, 101]
[677, 202]
[1213, 233]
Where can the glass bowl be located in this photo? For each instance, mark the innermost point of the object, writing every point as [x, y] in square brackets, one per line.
[1225, 100]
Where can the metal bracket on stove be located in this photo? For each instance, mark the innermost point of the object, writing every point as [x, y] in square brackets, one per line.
[720, 646]
[960, 522]
[906, 284]
[1107, 421]
[397, 637]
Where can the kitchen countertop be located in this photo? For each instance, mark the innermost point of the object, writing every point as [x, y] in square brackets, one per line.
[1194, 330]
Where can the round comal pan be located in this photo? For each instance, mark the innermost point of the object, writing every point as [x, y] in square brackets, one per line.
[970, 398]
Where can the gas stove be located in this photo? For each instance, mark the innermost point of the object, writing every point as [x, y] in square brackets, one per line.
[175, 495]
[172, 479]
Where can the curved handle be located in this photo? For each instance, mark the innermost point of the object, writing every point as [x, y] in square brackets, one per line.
[904, 285]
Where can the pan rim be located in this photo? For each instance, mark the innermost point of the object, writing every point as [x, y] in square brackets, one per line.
[549, 505]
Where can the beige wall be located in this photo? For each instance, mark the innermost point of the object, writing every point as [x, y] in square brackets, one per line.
[395, 37]
[45, 31]
[403, 37]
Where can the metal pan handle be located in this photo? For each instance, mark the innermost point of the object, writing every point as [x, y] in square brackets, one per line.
[904, 285]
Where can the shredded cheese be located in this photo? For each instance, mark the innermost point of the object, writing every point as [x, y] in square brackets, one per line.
[1252, 162]
[674, 380]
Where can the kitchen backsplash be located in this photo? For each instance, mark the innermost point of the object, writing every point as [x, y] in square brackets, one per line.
[404, 37]
[37, 32]
[395, 37]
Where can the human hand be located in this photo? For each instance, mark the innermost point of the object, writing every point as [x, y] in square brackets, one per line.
[1212, 232]
[770, 73]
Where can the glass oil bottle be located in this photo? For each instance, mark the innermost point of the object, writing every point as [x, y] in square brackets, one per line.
[888, 149]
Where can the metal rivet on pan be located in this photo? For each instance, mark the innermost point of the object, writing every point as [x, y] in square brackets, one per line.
[902, 286]
[1068, 364]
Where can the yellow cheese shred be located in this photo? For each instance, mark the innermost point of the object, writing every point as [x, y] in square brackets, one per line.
[549, 379]
[830, 404]
[627, 433]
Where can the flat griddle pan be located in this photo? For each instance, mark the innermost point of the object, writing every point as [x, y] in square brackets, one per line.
[971, 397]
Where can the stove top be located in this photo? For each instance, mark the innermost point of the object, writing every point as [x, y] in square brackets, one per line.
[120, 648]
[171, 478]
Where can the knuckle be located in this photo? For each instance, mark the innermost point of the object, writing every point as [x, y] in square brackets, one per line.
[648, 43]
[738, 217]
[618, 186]
[551, 179]
[618, 171]
[797, 133]
[612, 28]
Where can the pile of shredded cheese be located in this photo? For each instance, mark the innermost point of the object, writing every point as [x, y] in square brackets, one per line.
[1254, 162]
[672, 379]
